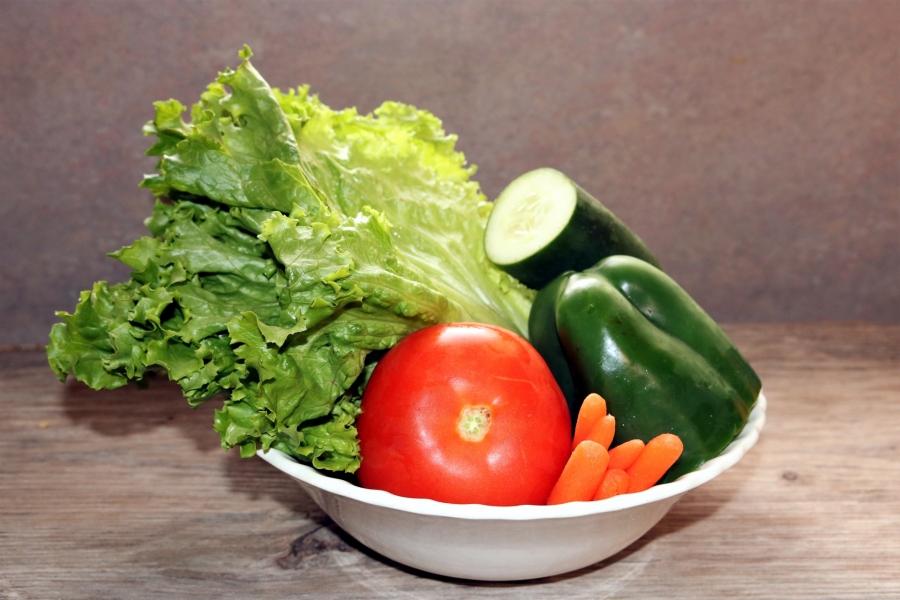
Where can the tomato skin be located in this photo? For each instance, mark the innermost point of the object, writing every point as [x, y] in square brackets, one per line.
[408, 430]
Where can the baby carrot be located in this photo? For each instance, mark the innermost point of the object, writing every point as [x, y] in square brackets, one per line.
[615, 482]
[592, 410]
[603, 431]
[582, 474]
[624, 455]
[660, 454]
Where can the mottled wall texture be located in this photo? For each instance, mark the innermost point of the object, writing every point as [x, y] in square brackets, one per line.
[754, 144]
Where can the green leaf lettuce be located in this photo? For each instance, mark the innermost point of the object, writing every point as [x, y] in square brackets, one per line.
[290, 246]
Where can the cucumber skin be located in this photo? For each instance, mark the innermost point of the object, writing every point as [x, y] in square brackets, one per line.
[592, 234]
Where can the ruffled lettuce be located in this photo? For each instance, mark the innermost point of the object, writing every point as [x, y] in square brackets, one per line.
[291, 245]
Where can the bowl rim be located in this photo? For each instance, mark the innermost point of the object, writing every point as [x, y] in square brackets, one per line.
[423, 506]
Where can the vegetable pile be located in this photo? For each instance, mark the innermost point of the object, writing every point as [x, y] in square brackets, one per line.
[313, 266]
[291, 244]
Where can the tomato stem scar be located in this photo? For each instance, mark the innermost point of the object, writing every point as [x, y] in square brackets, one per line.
[474, 422]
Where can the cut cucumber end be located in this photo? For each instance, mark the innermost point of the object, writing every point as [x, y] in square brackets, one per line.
[528, 215]
[543, 224]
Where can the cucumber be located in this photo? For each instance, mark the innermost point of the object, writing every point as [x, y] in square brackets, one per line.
[543, 224]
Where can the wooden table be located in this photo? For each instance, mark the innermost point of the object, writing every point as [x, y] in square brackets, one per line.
[127, 494]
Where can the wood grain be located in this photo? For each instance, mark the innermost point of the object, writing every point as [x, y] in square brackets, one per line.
[126, 494]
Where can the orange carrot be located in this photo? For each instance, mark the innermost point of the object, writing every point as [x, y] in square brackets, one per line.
[615, 482]
[624, 455]
[592, 410]
[582, 474]
[660, 454]
[603, 431]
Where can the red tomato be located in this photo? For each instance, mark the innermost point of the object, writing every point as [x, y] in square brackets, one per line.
[464, 413]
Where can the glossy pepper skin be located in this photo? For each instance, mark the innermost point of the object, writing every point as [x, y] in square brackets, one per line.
[627, 331]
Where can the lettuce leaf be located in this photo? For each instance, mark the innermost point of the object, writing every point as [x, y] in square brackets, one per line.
[291, 245]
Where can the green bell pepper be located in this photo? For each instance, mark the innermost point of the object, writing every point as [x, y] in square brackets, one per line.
[627, 331]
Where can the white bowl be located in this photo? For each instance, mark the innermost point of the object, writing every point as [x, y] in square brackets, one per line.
[493, 543]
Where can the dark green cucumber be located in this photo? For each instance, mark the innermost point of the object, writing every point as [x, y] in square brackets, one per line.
[544, 224]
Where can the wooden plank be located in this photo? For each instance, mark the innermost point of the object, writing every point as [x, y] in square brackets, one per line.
[126, 494]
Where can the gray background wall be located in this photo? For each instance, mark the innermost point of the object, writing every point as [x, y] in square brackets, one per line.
[755, 144]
